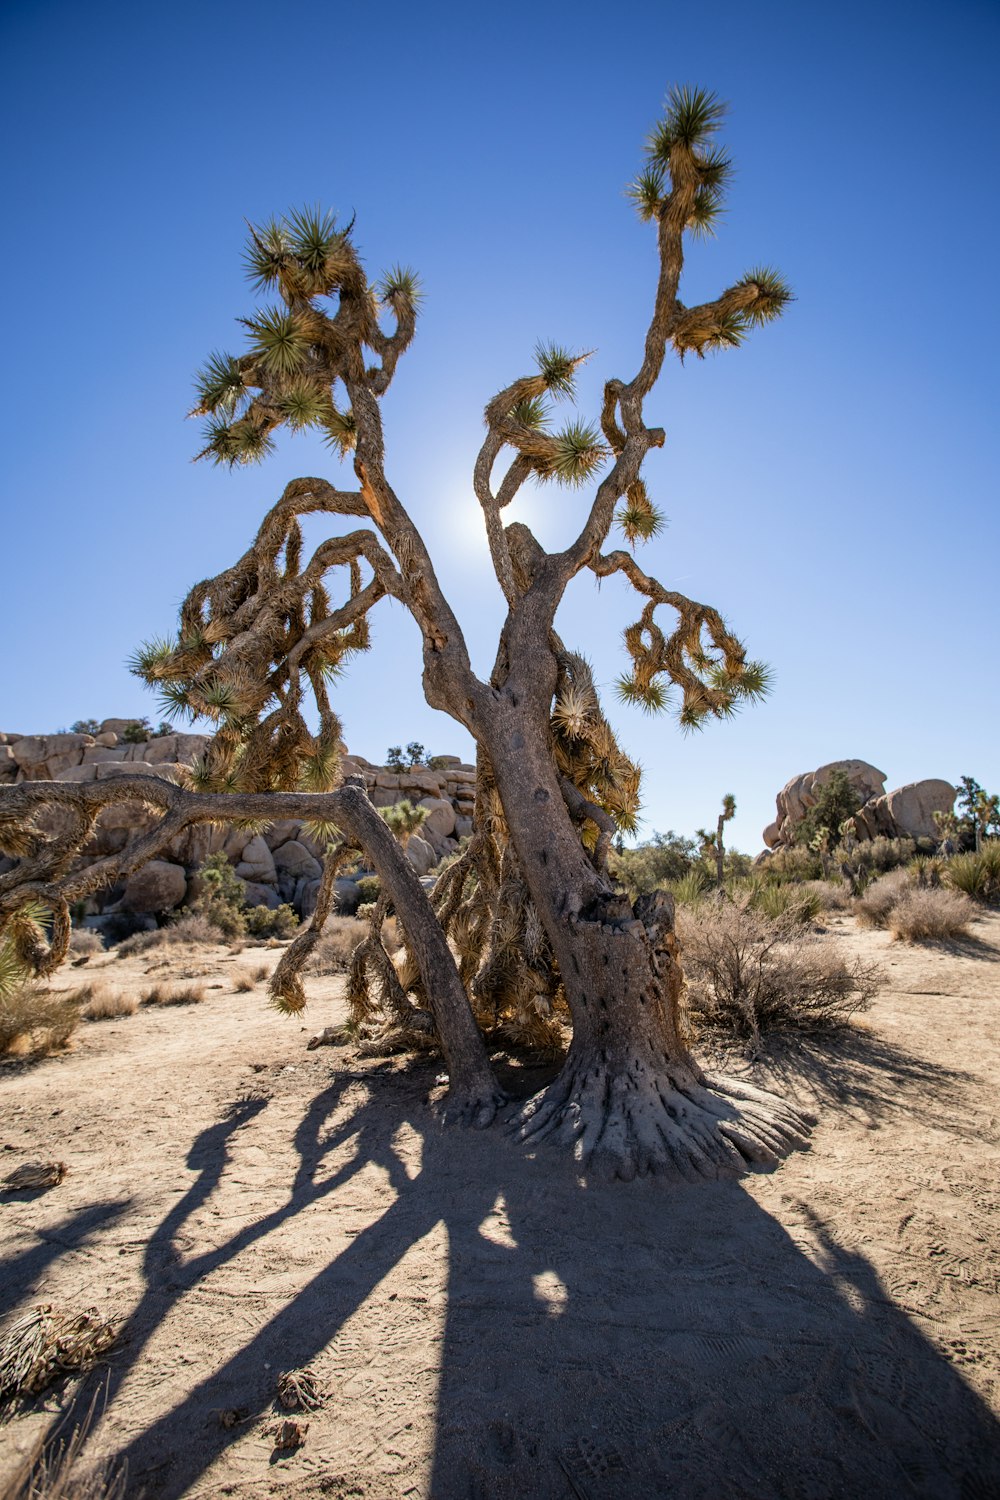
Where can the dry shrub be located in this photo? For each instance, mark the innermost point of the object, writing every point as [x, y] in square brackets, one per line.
[748, 974]
[243, 983]
[333, 950]
[46, 1343]
[83, 940]
[189, 929]
[262, 972]
[108, 1005]
[925, 914]
[48, 1472]
[831, 895]
[36, 1021]
[174, 994]
[874, 908]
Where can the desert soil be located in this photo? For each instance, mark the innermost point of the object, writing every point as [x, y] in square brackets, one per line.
[483, 1327]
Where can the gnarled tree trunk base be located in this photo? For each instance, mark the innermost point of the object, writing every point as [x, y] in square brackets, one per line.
[668, 1120]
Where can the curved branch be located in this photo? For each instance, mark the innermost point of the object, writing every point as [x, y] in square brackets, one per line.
[473, 1092]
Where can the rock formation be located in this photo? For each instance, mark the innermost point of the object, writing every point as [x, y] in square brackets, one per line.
[908, 812]
[282, 864]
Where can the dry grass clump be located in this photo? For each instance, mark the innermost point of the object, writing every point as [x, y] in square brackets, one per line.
[174, 994]
[108, 1005]
[875, 906]
[191, 929]
[34, 1176]
[48, 1472]
[243, 983]
[36, 1021]
[84, 941]
[748, 974]
[830, 895]
[47, 1342]
[927, 915]
[333, 950]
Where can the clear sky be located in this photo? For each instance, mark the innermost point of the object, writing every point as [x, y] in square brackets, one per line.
[831, 487]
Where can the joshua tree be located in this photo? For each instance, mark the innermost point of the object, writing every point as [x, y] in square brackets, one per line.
[712, 845]
[404, 819]
[540, 928]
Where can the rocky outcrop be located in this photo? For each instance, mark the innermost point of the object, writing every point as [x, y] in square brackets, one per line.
[801, 793]
[281, 864]
[907, 812]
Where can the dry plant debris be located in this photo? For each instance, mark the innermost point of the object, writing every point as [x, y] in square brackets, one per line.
[47, 1342]
[34, 1174]
[299, 1390]
[287, 1434]
[48, 1472]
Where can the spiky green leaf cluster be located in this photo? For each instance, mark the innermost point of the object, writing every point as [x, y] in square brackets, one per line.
[532, 412]
[558, 368]
[773, 295]
[244, 442]
[220, 386]
[151, 659]
[305, 404]
[400, 284]
[341, 430]
[279, 340]
[652, 697]
[577, 454]
[690, 117]
[648, 192]
[303, 254]
[640, 523]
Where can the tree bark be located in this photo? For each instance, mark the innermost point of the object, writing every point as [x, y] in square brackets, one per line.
[630, 1098]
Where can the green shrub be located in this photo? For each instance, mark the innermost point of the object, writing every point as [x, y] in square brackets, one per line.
[794, 902]
[977, 875]
[136, 733]
[85, 726]
[263, 922]
[221, 898]
[653, 865]
[836, 800]
[370, 888]
[693, 887]
[793, 862]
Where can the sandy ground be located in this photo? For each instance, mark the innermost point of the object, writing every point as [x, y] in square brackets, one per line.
[481, 1325]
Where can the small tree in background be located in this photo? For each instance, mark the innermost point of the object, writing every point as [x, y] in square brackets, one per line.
[538, 924]
[404, 819]
[712, 845]
[836, 801]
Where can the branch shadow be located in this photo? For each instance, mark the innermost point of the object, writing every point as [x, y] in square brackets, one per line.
[598, 1341]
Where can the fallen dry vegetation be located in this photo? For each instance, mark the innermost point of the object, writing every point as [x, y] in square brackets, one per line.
[461, 1320]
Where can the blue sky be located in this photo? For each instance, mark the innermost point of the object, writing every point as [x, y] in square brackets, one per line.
[831, 487]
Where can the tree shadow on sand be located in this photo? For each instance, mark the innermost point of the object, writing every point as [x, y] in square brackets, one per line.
[597, 1342]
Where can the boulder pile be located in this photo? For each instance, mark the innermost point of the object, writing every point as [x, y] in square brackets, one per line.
[281, 864]
[908, 812]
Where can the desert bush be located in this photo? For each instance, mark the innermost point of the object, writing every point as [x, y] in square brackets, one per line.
[875, 906]
[925, 914]
[793, 863]
[243, 983]
[187, 929]
[794, 902]
[332, 954]
[881, 855]
[747, 974]
[370, 888]
[103, 1004]
[976, 875]
[262, 921]
[187, 993]
[36, 1020]
[654, 865]
[84, 940]
[691, 888]
[831, 895]
[220, 898]
[926, 871]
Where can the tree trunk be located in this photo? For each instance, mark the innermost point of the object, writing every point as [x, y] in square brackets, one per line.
[630, 1098]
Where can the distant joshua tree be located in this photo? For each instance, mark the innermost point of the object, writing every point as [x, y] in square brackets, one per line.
[541, 931]
[712, 844]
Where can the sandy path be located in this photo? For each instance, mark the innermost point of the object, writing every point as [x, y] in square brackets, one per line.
[482, 1326]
